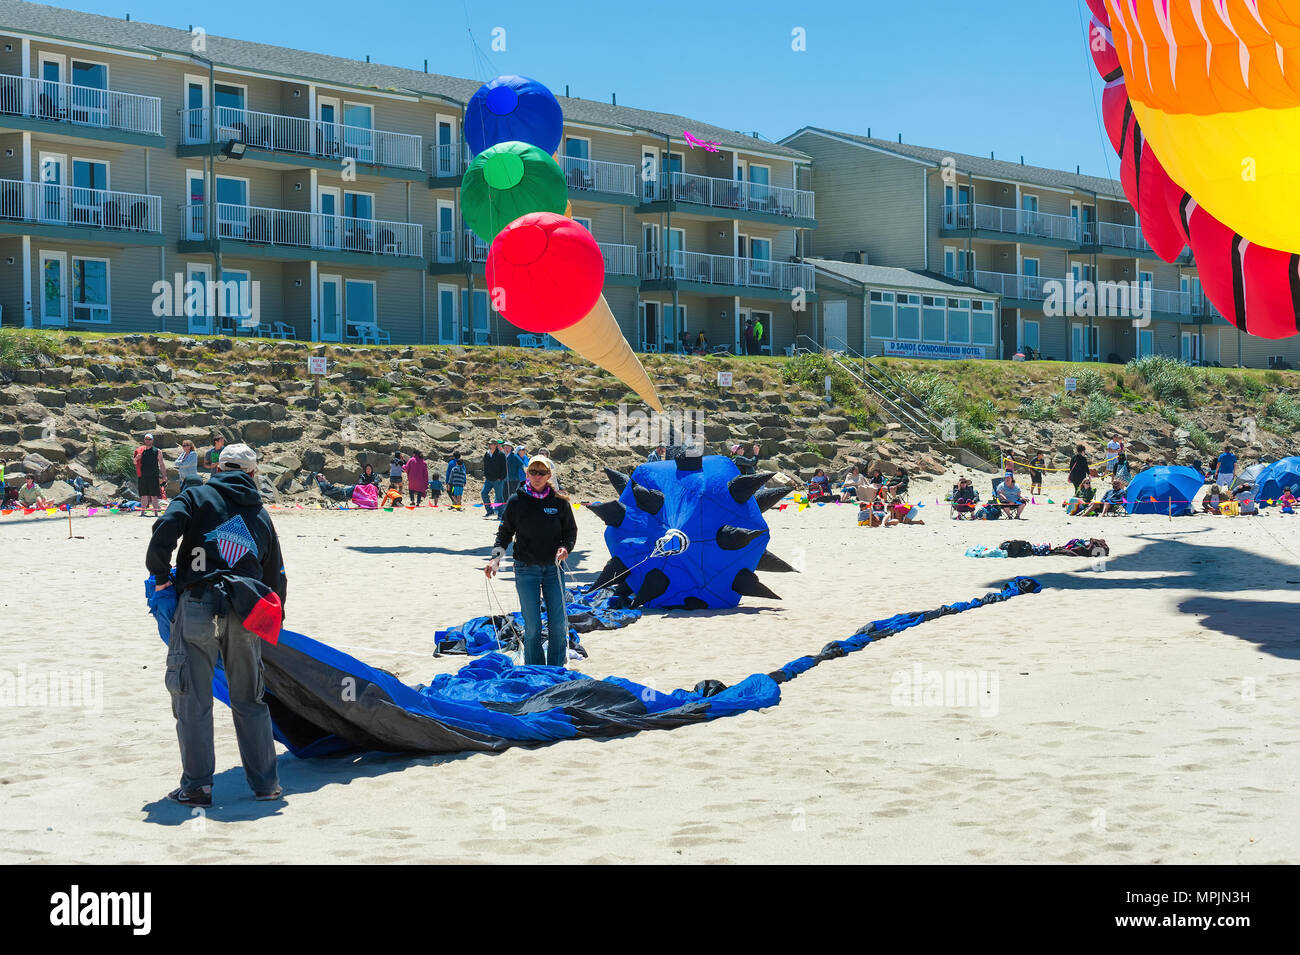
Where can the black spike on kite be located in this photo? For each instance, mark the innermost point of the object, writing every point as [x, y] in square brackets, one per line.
[614, 569]
[654, 585]
[734, 538]
[769, 496]
[618, 479]
[747, 584]
[650, 501]
[770, 562]
[611, 512]
[743, 486]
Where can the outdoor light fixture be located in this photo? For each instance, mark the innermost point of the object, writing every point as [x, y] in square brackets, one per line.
[10, 260]
[234, 149]
[9, 152]
[297, 187]
[297, 283]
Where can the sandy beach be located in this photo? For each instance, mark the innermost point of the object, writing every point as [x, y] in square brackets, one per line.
[1138, 711]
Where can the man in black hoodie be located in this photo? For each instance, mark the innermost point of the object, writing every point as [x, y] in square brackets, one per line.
[228, 546]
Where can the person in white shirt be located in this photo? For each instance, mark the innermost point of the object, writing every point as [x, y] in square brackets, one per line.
[1113, 448]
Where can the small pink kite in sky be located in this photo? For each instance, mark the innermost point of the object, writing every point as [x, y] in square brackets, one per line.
[691, 141]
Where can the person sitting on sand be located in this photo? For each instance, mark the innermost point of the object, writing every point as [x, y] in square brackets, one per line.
[1082, 498]
[29, 495]
[335, 492]
[898, 484]
[1288, 500]
[853, 479]
[1113, 500]
[1245, 498]
[819, 488]
[963, 500]
[1009, 497]
[368, 476]
[1213, 497]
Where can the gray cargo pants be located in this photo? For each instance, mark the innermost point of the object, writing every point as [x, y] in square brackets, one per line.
[201, 632]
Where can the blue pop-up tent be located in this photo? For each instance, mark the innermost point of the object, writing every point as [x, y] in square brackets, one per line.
[1164, 491]
[1276, 478]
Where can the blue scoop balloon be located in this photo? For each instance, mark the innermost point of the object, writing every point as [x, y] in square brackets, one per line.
[513, 109]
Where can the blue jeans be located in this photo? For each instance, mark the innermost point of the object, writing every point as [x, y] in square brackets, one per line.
[535, 582]
[500, 488]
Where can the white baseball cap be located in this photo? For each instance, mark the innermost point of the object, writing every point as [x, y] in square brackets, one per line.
[238, 457]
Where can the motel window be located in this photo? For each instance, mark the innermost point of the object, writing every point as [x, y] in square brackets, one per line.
[90, 290]
[959, 321]
[982, 323]
[933, 324]
[909, 318]
[882, 314]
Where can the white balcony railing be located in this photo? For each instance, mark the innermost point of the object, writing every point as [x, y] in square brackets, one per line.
[727, 270]
[448, 159]
[729, 194]
[76, 206]
[1008, 285]
[306, 137]
[619, 259]
[80, 105]
[595, 175]
[309, 230]
[1043, 225]
[1121, 236]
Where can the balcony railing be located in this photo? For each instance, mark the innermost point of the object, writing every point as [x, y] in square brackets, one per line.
[306, 137]
[76, 206]
[1043, 225]
[448, 159]
[595, 175]
[1121, 236]
[309, 230]
[727, 270]
[80, 105]
[619, 259]
[729, 194]
[1009, 285]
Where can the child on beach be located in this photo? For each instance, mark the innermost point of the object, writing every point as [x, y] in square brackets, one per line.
[393, 496]
[1288, 501]
[1211, 503]
[1036, 468]
[455, 478]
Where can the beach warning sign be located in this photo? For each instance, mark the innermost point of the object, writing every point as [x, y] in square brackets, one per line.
[724, 379]
[316, 365]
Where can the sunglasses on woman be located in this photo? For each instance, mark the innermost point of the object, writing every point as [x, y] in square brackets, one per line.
[539, 473]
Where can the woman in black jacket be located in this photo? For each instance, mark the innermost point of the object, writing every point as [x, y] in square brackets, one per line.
[540, 519]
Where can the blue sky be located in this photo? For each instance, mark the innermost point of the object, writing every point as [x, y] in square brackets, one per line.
[1011, 76]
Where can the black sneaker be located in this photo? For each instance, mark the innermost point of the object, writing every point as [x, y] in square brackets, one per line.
[201, 797]
[272, 796]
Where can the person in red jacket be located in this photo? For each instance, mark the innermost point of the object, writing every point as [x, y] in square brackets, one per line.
[151, 472]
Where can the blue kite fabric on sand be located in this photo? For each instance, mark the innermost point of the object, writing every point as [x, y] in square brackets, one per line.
[325, 702]
[688, 532]
[601, 610]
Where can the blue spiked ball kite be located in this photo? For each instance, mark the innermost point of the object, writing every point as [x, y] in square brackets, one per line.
[513, 108]
[688, 533]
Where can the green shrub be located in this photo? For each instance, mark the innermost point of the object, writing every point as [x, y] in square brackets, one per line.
[1090, 382]
[1097, 411]
[810, 370]
[1067, 404]
[1285, 409]
[1199, 439]
[1171, 415]
[1273, 377]
[1168, 379]
[114, 461]
[383, 386]
[983, 414]
[1038, 410]
[19, 348]
[1252, 387]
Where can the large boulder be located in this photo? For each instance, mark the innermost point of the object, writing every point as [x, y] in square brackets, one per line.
[256, 432]
[48, 448]
[42, 469]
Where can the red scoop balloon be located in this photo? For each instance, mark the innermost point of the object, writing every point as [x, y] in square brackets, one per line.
[544, 272]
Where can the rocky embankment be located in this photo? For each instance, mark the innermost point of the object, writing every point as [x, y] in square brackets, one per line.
[79, 411]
